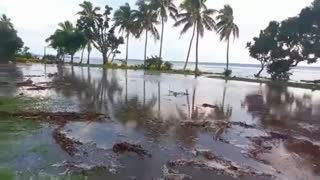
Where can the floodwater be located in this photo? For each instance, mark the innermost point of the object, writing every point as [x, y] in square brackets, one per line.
[280, 138]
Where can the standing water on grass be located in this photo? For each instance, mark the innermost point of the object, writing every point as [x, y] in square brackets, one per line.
[152, 126]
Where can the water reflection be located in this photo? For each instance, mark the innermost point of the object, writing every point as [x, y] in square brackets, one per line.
[143, 103]
[9, 73]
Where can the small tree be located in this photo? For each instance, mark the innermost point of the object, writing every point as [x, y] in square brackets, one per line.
[10, 42]
[262, 46]
[103, 37]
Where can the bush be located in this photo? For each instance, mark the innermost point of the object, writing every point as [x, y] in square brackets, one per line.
[156, 63]
[227, 73]
[49, 57]
[167, 66]
[280, 70]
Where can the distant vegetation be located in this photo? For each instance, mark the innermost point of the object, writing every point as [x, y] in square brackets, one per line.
[283, 45]
[279, 47]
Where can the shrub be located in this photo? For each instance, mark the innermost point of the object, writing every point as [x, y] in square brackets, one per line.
[154, 63]
[167, 66]
[227, 73]
[280, 70]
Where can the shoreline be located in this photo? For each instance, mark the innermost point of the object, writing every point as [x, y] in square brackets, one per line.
[311, 86]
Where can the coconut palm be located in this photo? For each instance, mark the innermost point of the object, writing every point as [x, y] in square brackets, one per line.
[88, 16]
[124, 19]
[66, 26]
[7, 21]
[147, 20]
[227, 28]
[195, 14]
[164, 8]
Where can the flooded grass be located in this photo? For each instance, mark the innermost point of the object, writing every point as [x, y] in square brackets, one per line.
[97, 123]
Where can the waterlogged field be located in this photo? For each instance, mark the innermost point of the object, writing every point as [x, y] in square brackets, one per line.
[63, 122]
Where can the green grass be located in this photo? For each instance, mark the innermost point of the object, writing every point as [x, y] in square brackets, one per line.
[6, 174]
[16, 103]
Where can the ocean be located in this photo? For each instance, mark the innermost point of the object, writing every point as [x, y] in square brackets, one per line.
[239, 70]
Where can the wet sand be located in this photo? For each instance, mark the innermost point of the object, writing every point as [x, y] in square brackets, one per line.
[254, 131]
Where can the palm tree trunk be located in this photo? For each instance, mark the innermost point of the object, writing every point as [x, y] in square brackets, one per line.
[185, 65]
[161, 41]
[228, 43]
[81, 56]
[145, 49]
[197, 53]
[71, 59]
[127, 49]
[89, 52]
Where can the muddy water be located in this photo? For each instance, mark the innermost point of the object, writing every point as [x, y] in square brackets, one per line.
[281, 137]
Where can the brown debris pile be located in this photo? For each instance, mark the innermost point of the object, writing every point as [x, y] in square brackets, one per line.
[67, 144]
[129, 147]
[264, 144]
[221, 166]
[198, 124]
[31, 86]
[209, 106]
[40, 86]
[28, 82]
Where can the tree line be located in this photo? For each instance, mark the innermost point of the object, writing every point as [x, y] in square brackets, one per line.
[96, 28]
[279, 47]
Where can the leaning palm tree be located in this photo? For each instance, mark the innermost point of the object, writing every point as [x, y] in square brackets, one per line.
[226, 27]
[7, 21]
[164, 8]
[88, 15]
[124, 19]
[147, 20]
[195, 14]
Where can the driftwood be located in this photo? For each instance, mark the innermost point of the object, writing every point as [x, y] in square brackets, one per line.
[129, 147]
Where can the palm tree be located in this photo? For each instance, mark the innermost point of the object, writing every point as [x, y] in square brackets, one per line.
[88, 16]
[195, 14]
[7, 21]
[66, 26]
[124, 18]
[226, 27]
[147, 20]
[162, 8]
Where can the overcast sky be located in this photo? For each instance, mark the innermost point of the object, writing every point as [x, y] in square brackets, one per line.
[36, 20]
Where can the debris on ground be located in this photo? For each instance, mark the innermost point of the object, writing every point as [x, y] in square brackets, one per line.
[129, 147]
[207, 154]
[59, 118]
[38, 88]
[170, 174]
[50, 75]
[28, 82]
[242, 124]
[178, 94]
[209, 106]
[198, 124]
[29, 76]
[220, 166]
[67, 144]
